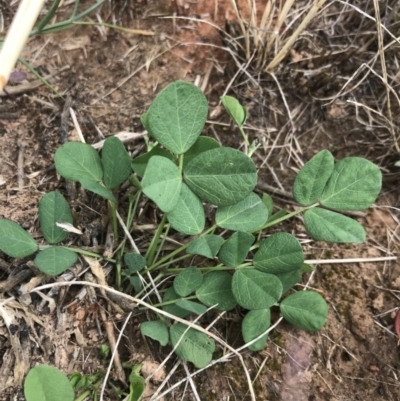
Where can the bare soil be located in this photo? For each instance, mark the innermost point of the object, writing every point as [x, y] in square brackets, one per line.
[305, 106]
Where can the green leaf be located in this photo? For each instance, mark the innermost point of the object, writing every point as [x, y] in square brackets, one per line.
[202, 144]
[279, 253]
[76, 160]
[136, 283]
[194, 347]
[157, 330]
[256, 290]
[188, 281]
[116, 162]
[325, 225]
[306, 310]
[98, 189]
[312, 178]
[247, 215]
[15, 241]
[217, 290]
[306, 268]
[53, 208]
[162, 183]
[281, 213]
[173, 309]
[354, 185]
[177, 116]
[143, 120]
[254, 324]
[187, 216]
[134, 262]
[206, 245]
[137, 384]
[289, 279]
[45, 383]
[55, 260]
[234, 251]
[269, 203]
[235, 109]
[192, 307]
[139, 164]
[222, 176]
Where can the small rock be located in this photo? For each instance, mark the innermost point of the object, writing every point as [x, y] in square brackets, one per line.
[149, 367]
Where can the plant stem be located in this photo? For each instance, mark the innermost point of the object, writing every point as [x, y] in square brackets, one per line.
[177, 270]
[246, 140]
[37, 75]
[83, 395]
[59, 26]
[82, 252]
[75, 10]
[178, 250]
[161, 246]
[43, 22]
[287, 216]
[118, 270]
[114, 220]
[155, 279]
[173, 261]
[181, 162]
[153, 245]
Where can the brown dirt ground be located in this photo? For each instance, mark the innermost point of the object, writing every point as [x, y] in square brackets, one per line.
[111, 80]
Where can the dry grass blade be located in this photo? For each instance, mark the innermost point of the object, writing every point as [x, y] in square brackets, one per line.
[281, 18]
[289, 43]
[245, 32]
[384, 73]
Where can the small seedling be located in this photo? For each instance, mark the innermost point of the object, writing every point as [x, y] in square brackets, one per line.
[247, 269]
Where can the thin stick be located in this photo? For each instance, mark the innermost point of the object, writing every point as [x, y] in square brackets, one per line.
[349, 260]
[20, 168]
[76, 125]
[127, 233]
[191, 382]
[114, 356]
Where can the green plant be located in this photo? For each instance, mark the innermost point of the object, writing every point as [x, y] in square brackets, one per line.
[181, 171]
[45, 383]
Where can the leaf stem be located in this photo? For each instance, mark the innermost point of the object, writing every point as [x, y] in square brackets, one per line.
[178, 250]
[153, 245]
[155, 279]
[38, 76]
[173, 261]
[245, 138]
[59, 26]
[287, 216]
[181, 162]
[83, 396]
[114, 220]
[82, 252]
[43, 22]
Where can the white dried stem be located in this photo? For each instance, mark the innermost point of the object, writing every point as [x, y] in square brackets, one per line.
[17, 36]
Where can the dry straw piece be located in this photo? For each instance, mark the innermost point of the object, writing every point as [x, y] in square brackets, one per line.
[17, 36]
[265, 38]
